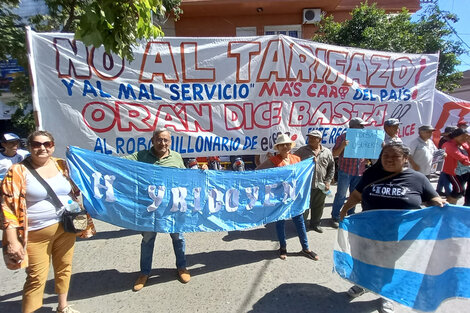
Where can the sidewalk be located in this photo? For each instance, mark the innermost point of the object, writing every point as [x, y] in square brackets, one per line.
[231, 272]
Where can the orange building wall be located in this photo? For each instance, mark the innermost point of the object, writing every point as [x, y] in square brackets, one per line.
[220, 25]
[226, 26]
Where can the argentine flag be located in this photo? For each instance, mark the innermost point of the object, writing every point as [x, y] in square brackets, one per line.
[417, 258]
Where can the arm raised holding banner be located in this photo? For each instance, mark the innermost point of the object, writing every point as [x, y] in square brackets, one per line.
[160, 154]
[392, 187]
[284, 145]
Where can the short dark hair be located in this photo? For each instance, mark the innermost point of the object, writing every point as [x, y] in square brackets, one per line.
[39, 133]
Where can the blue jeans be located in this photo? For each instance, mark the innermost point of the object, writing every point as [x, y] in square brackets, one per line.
[443, 182]
[345, 181]
[146, 251]
[299, 225]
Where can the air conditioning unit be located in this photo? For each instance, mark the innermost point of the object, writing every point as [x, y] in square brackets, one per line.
[311, 16]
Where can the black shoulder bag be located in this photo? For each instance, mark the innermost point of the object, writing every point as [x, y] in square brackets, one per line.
[73, 222]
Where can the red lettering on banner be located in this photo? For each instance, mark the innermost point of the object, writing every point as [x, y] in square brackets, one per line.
[379, 75]
[273, 63]
[163, 63]
[71, 56]
[279, 63]
[298, 62]
[357, 70]
[99, 116]
[243, 51]
[320, 68]
[339, 114]
[337, 61]
[238, 117]
[106, 68]
[264, 115]
[406, 130]
[463, 109]
[102, 117]
[189, 63]
[403, 70]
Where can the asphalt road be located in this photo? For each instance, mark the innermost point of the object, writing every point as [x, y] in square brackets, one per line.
[231, 272]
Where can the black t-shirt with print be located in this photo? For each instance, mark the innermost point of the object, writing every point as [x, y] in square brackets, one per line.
[405, 191]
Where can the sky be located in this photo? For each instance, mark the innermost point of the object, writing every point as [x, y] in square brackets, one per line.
[462, 9]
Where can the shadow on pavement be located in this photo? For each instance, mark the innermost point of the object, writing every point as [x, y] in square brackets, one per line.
[268, 232]
[310, 298]
[208, 262]
[93, 284]
[111, 234]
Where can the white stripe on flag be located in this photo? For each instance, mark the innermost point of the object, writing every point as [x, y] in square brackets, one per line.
[435, 256]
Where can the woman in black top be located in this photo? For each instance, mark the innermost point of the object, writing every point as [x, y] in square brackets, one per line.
[389, 185]
[392, 186]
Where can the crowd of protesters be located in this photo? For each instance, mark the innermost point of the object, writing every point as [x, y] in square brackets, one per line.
[20, 193]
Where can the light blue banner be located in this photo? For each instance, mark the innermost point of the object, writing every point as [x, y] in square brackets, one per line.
[148, 197]
[418, 258]
[364, 143]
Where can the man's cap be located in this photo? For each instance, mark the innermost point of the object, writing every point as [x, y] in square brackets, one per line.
[426, 128]
[462, 123]
[457, 132]
[449, 129]
[315, 133]
[284, 138]
[356, 122]
[10, 137]
[392, 122]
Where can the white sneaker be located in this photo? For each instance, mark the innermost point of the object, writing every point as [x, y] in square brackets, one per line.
[386, 306]
[67, 309]
[356, 291]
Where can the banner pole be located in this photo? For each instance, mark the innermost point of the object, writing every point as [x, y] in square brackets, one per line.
[32, 78]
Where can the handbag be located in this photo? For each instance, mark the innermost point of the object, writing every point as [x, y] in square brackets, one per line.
[73, 222]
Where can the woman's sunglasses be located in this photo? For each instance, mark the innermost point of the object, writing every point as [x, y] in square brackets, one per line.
[46, 144]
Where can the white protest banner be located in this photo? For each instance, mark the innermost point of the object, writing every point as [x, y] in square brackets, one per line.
[448, 111]
[222, 96]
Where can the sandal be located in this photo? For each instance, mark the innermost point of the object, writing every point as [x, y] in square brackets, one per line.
[310, 254]
[283, 253]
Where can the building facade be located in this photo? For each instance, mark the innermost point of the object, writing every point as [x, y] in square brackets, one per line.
[296, 18]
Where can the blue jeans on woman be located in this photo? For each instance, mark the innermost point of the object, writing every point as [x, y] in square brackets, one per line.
[345, 181]
[443, 182]
[146, 251]
[301, 231]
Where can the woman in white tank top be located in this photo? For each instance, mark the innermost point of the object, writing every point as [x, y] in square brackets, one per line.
[35, 235]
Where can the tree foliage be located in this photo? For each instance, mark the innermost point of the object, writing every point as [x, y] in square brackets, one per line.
[371, 28]
[115, 24]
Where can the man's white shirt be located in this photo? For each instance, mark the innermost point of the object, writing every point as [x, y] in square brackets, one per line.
[6, 161]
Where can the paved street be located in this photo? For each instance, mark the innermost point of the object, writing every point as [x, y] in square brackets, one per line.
[231, 272]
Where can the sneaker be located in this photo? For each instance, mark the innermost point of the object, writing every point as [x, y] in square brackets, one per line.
[184, 275]
[310, 254]
[67, 309]
[140, 282]
[334, 223]
[386, 306]
[283, 253]
[317, 228]
[356, 291]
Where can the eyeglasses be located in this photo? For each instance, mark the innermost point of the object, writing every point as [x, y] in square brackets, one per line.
[46, 144]
[162, 140]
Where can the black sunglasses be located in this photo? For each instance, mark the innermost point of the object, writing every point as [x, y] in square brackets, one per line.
[46, 144]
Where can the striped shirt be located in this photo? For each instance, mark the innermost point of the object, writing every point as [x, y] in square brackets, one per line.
[350, 166]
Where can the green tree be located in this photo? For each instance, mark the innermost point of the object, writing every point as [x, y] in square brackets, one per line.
[115, 24]
[371, 28]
